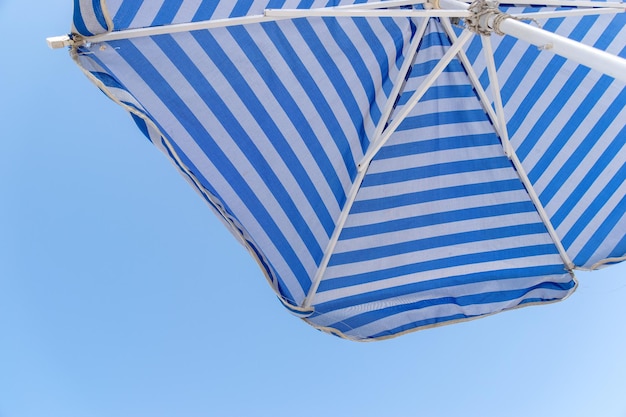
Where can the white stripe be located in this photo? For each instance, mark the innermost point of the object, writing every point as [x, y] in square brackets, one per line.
[427, 184]
[146, 14]
[431, 207]
[468, 154]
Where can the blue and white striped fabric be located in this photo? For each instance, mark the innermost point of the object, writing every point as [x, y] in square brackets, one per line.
[270, 122]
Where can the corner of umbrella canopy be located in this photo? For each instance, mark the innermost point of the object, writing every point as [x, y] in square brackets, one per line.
[392, 335]
[607, 262]
[300, 312]
[90, 19]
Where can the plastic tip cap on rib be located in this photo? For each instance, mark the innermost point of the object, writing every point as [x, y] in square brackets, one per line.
[58, 42]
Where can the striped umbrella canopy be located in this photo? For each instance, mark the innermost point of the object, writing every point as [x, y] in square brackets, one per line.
[391, 165]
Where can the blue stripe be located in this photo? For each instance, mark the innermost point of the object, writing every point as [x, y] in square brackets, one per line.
[273, 4]
[141, 124]
[151, 76]
[455, 192]
[167, 13]
[378, 252]
[442, 92]
[241, 8]
[435, 170]
[125, 14]
[107, 80]
[434, 145]
[423, 69]
[434, 36]
[205, 11]
[435, 219]
[468, 259]
[442, 118]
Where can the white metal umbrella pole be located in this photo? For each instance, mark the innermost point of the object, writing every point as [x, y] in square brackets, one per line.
[595, 4]
[269, 15]
[491, 19]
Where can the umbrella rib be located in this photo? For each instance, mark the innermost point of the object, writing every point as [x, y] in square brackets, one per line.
[415, 98]
[373, 150]
[473, 77]
[494, 85]
[568, 13]
[400, 81]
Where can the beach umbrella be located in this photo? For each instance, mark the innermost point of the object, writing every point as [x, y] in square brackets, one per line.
[391, 165]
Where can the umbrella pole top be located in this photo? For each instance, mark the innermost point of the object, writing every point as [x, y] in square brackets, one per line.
[485, 15]
[485, 18]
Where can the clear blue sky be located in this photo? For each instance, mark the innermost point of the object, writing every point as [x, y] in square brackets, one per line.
[121, 295]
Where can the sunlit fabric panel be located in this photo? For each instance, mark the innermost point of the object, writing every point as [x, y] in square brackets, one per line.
[442, 229]
[566, 124]
[265, 122]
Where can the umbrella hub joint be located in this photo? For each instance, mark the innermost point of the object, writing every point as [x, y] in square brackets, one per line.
[486, 17]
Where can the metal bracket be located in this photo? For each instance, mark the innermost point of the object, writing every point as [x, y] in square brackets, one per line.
[485, 18]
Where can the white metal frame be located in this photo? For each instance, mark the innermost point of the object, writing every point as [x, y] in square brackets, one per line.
[490, 21]
[599, 60]
[594, 58]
